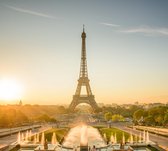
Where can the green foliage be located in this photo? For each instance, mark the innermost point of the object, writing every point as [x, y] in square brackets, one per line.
[138, 114]
[107, 116]
[15, 115]
[117, 117]
[165, 121]
[156, 116]
[46, 118]
[11, 117]
[112, 131]
[158, 119]
[122, 110]
[149, 120]
[60, 133]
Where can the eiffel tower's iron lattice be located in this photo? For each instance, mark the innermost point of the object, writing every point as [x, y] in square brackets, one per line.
[83, 81]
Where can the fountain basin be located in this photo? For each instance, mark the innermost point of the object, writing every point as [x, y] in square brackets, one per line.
[83, 135]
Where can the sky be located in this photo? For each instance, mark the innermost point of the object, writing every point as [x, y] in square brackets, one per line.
[126, 43]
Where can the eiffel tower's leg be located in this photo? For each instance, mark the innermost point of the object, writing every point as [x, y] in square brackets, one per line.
[88, 89]
[78, 89]
[93, 103]
[74, 103]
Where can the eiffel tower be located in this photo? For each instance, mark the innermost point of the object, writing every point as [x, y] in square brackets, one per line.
[83, 81]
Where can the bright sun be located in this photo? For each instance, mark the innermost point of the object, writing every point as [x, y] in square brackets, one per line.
[10, 89]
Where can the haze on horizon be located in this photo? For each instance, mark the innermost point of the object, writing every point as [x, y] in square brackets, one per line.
[127, 41]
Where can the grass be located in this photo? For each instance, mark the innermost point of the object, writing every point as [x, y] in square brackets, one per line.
[60, 133]
[119, 133]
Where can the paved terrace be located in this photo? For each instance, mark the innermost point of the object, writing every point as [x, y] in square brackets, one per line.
[10, 131]
[155, 130]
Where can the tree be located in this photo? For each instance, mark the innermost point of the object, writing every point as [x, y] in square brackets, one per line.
[149, 120]
[117, 117]
[44, 117]
[138, 114]
[165, 120]
[107, 116]
[4, 120]
[159, 119]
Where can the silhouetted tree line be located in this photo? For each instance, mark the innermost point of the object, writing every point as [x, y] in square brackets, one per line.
[14, 115]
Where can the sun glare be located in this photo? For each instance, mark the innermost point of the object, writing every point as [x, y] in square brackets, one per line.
[10, 89]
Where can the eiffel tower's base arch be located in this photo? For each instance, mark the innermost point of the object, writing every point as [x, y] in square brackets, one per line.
[78, 99]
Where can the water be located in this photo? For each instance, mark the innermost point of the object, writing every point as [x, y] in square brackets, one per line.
[112, 138]
[123, 138]
[22, 137]
[144, 138]
[131, 138]
[54, 139]
[42, 138]
[140, 137]
[37, 138]
[19, 138]
[83, 135]
[115, 138]
[147, 137]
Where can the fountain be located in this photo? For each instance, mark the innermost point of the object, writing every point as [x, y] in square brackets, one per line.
[76, 134]
[123, 138]
[30, 133]
[136, 138]
[42, 138]
[105, 137]
[144, 138]
[147, 137]
[27, 135]
[19, 138]
[22, 137]
[115, 138]
[140, 137]
[128, 140]
[131, 139]
[54, 139]
[35, 139]
[112, 138]
[84, 139]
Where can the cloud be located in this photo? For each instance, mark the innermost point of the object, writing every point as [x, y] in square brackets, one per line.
[30, 12]
[109, 24]
[146, 30]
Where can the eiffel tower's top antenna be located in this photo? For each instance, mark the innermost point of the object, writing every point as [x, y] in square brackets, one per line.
[83, 28]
